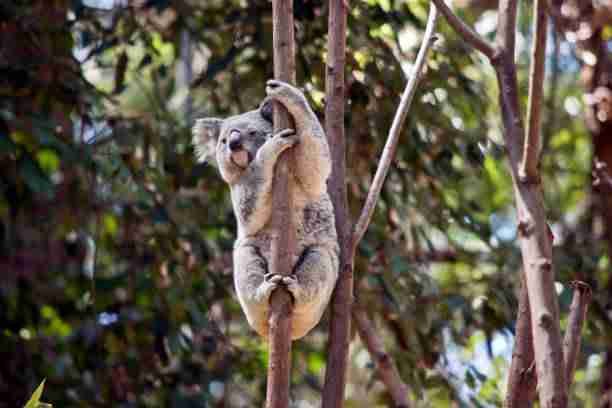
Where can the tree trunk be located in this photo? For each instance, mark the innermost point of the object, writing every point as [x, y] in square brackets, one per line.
[342, 300]
[283, 243]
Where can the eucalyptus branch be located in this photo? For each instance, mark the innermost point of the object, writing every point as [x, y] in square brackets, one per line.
[465, 31]
[283, 243]
[394, 132]
[532, 144]
[382, 360]
[342, 301]
[577, 316]
[521, 389]
[535, 240]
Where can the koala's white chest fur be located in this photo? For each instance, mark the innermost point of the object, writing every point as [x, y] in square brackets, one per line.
[246, 153]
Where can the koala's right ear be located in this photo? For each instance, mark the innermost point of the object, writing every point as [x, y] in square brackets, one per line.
[205, 133]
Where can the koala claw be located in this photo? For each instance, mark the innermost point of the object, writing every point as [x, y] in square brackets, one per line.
[292, 285]
[285, 133]
[273, 278]
[272, 85]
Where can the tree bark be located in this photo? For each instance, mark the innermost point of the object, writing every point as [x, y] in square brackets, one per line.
[535, 241]
[342, 300]
[283, 243]
[522, 381]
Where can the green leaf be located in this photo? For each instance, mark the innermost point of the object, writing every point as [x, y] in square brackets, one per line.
[34, 401]
[35, 178]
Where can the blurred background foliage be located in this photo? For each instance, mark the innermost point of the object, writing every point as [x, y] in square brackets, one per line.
[115, 246]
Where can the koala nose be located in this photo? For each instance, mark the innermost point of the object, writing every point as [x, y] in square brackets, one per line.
[234, 140]
[235, 144]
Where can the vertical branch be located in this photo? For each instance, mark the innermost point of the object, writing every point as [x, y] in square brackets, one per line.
[575, 321]
[531, 149]
[283, 242]
[521, 380]
[337, 352]
[535, 240]
[384, 364]
[335, 375]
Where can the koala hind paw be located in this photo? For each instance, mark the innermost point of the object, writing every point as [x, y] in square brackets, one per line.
[291, 282]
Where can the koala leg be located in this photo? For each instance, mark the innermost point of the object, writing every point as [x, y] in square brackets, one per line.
[311, 285]
[254, 285]
[312, 157]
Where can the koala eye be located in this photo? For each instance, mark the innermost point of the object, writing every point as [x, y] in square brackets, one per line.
[252, 133]
[224, 140]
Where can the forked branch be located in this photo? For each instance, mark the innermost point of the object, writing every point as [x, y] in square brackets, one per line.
[465, 31]
[395, 132]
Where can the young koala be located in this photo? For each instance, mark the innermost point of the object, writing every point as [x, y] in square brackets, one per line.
[246, 152]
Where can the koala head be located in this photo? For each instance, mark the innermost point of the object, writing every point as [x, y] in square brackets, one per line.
[232, 142]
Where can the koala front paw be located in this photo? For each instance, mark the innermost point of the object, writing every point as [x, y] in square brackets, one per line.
[286, 94]
[276, 144]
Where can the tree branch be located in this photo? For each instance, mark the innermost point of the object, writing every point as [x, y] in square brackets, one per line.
[342, 301]
[465, 31]
[531, 149]
[394, 132]
[283, 243]
[522, 382]
[535, 241]
[384, 363]
[575, 321]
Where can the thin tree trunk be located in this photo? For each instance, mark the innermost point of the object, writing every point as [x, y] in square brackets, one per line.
[522, 380]
[335, 375]
[535, 240]
[342, 300]
[283, 244]
[534, 236]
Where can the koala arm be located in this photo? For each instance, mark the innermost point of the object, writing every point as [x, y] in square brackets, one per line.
[252, 194]
[312, 156]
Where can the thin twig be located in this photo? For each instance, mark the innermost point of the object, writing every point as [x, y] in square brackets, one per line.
[394, 132]
[531, 147]
[383, 362]
[575, 321]
[465, 31]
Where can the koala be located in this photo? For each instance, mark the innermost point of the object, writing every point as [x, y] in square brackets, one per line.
[246, 151]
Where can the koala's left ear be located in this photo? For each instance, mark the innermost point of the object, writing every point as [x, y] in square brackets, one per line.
[266, 109]
[205, 133]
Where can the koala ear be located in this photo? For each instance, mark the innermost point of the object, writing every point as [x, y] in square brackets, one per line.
[205, 133]
[266, 109]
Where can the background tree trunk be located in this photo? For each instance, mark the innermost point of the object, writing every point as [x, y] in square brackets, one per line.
[342, 300]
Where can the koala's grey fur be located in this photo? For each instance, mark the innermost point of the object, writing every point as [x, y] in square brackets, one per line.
[248, 167]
